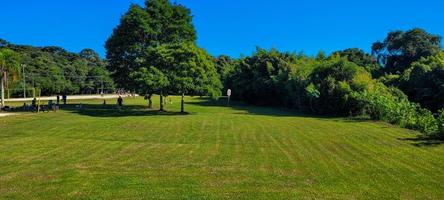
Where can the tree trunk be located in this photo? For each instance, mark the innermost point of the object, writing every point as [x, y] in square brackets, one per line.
[182, 109]
[2, 83]
[150, 103]
[161, 102]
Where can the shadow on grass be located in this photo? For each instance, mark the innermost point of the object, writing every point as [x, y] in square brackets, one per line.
[95, 110]
[248, 109]
[422, 141]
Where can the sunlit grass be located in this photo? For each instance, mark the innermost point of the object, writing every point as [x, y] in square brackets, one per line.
[213, 152]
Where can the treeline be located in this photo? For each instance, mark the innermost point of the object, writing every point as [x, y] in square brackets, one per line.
[53, 70]
[401, 82]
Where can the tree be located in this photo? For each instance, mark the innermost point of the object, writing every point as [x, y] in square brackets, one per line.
[149, 81]
[127, 45]
[161, 36]
[399, 49]
[9, 64]
[260, 78]
[423, 82]
[90, 55]
[225, 67]
[140, 29]
[187, 70]
[171, 23]
[337, 79]
[360, 58]
[53, 70]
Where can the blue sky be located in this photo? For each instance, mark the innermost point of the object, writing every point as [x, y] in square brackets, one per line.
[231, 27]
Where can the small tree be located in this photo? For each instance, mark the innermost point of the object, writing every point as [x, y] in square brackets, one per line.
[9, 64]
[188, 69]
[149, 81]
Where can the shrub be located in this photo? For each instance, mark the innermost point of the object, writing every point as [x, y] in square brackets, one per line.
[440, 121]
[425, 122]
[389, 105]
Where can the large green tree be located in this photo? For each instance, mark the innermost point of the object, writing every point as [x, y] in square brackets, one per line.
[9, 64]
[180, 68]
[399, 49]
[127, 45]
[159, 22]
[160, 38]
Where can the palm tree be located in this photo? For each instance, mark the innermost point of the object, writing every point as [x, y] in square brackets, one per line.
[9, 63]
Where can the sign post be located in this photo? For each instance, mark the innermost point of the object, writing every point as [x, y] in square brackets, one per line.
[229, 95]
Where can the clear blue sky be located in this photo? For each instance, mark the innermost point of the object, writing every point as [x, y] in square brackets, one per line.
[231, 27]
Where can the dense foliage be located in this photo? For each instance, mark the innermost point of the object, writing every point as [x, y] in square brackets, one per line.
[400, 49]
[336, 85]
[362, 59]
[423, 82]
[178, 69]
[412, 61]
[142, 28]
[53, 70]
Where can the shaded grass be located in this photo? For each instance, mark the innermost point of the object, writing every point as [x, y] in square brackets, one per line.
[214, 152]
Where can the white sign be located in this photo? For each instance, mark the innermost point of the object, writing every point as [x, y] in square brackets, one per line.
[229, 92]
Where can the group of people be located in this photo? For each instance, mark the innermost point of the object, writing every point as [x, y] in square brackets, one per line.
[122, 92]
[50, 106]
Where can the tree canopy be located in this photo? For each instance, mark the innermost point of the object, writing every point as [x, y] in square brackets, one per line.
[361, 58]
[159, 22]
[401, 48]
[423, 82]
[53, 70]
[339, 84]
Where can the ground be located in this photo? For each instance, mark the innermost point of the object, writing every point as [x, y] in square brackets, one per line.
[213, 152]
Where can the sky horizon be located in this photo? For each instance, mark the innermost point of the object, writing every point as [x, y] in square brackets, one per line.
[230, 27]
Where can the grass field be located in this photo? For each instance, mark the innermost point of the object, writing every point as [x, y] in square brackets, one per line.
[214, 152]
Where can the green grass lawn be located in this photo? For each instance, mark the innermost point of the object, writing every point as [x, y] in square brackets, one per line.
[214, 152]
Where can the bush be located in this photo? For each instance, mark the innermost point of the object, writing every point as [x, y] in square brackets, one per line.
[389, 105]
[440, 121]
[425, 122]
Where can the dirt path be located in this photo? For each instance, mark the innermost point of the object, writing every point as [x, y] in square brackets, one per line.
[6, 114]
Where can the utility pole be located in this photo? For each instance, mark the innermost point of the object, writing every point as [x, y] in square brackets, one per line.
[24, 81]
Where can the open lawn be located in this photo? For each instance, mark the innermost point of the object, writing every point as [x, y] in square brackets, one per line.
[214, 152]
